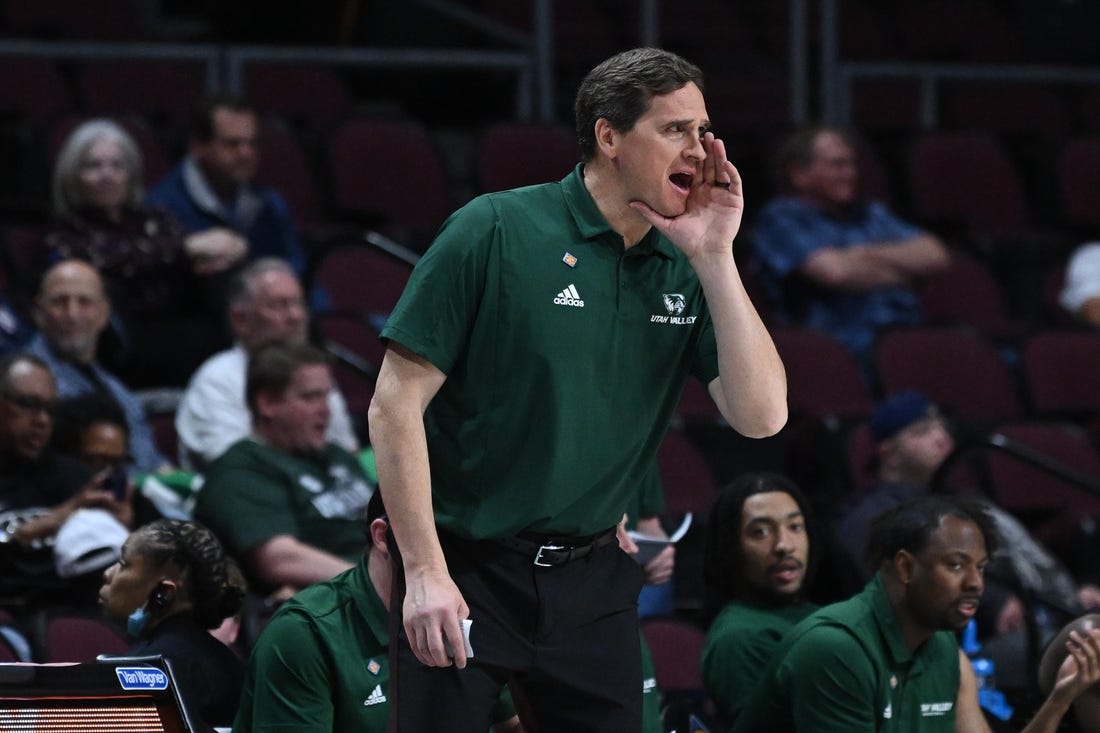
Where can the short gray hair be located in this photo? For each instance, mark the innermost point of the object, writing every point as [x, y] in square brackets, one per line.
[242, 289]
[66, 189]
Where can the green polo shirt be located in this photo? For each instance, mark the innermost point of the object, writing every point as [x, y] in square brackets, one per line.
[254, 492]
[847, 668]
[649, 500]
[565, 356]
[321, 663]
[740, 643]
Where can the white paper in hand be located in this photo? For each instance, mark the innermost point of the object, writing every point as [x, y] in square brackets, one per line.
[650, 546]
[466, 624]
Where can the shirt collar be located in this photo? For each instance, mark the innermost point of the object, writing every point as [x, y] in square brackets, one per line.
[374, 613]
[199, 190]
[246, 207]
[593, 226]
[887, 621]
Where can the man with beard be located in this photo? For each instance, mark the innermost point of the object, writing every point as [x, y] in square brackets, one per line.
[72, 311]
[887, 659]
[913, 440]
[758, 558]
[288, 503]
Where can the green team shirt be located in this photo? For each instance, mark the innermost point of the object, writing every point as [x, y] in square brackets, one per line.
[847, 668]
[254, 492]
[321, 663]
[740, 643]
[649, 500]
[565, 356]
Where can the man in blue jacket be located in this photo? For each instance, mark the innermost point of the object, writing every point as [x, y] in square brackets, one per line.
[214, 187]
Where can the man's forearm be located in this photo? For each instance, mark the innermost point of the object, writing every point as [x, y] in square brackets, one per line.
[916, 256]
[751, 389]
[400, 444]
[284, 560]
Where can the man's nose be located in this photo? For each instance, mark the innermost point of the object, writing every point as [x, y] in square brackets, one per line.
[695, 149]
[974, 579]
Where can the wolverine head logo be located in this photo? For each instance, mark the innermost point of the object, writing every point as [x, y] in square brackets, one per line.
[675, 303]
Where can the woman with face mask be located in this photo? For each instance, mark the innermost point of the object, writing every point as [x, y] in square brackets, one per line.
[172, 583]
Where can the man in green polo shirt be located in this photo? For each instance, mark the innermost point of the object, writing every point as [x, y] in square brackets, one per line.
[286, 502]
[321, 664]
[533, 363]
[760, 552]
[887, 659]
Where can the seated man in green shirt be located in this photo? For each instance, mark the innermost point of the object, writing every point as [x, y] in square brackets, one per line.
[758, 558]
[887, 659]
[287, 503]
[321, 663]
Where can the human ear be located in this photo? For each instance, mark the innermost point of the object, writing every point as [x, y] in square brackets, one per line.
[162, 595]
[378, 531]
[606, 137]
[903, 565]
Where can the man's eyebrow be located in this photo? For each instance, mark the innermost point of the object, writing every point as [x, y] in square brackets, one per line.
[962, 555]
[687, 122]
[761, 519]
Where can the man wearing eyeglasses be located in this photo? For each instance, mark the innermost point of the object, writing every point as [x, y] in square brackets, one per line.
[39, 489]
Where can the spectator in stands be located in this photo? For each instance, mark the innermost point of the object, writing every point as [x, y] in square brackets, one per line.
[284, 500]
[266, 305]
[40, 490]
[831, 261]
[759, 556]
[887, 659]
[1080, 294]
[71, 311]
[172, 583]
[214, 187]
[165, 286]
[93, 429]
[295, 676]
[912, 441]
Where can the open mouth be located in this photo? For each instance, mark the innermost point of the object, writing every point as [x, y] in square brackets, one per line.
[681, 181]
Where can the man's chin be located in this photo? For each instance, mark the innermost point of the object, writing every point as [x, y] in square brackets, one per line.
[778, 597]
[69, 350]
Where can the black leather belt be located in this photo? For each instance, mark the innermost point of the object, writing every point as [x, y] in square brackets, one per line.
[550, 551]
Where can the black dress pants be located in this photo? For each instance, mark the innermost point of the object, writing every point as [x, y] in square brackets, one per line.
[567, 636]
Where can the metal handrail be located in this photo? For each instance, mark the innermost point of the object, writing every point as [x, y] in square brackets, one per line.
[931, 76]
[423, 58]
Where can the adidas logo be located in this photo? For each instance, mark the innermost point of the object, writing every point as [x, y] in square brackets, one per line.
[569, 296]
[376, 697]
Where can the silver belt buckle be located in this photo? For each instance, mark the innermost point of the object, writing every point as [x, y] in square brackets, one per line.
[538, 557]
